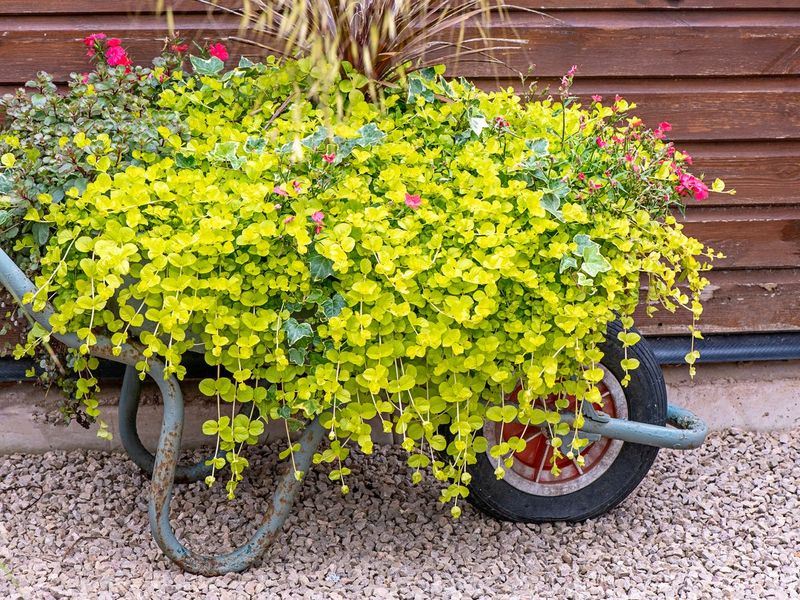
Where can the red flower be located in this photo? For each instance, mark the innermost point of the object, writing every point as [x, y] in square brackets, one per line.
[581, 176]
[664, 126]
[219, 51]
[113, 42]
[329, 158]
[179, 48]
[116, 56]
[601, 143]
[501, 122]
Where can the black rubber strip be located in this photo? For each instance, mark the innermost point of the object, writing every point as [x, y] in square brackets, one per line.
[718, 348]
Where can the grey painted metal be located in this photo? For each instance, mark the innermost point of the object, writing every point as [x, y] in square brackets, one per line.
[248, 553]
[166, 459]
[690, 430]
[129, 434]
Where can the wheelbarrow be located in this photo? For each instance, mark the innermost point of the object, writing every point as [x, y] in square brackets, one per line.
[624, 439]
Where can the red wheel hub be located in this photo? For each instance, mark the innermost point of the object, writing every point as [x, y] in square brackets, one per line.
[534, 463]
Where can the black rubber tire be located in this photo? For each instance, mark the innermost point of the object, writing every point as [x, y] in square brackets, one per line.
[647, 403]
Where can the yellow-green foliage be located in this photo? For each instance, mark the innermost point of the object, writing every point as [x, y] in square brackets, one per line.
[411, 259]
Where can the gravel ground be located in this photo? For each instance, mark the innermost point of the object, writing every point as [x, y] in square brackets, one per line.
[719, 522]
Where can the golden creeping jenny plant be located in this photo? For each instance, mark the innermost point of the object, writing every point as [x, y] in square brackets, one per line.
[412, 261]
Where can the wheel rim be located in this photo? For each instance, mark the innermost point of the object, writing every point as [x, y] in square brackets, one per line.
[530, 472]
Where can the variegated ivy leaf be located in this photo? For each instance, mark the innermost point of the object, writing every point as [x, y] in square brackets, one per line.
[315, 139]
[296, 331]
[478, 124]
[207, 66]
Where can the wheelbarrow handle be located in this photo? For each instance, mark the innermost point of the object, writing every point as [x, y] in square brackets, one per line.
[166, 463]
[689, 431]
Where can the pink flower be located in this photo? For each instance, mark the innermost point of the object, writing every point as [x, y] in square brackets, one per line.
[218, 50]
[664, 126]
[179, 48]
[329, 158]
[617, 98]
[85, 78]
[597, 98]
[413, 201]
[628, 157]
[617, 140]
[687, 158]
[317, 229]
[280, 191]
[572, 70]
[113, 42]
[90, 41]
[318, 216]
[116, 56]
[581, 176]
[289, 219]
[658, 134]
[594, 185]
[689, 184]
[296, 186]
[601, 143]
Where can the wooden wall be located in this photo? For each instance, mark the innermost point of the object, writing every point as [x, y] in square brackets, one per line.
[723, 72]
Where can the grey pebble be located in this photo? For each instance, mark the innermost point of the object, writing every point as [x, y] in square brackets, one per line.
[719, 522]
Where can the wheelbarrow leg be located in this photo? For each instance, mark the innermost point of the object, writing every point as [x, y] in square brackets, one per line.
[164, 476]
[129, 434]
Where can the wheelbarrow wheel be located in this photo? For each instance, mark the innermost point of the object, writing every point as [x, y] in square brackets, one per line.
[529, 493]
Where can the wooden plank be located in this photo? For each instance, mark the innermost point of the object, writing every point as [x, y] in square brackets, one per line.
[737, 302]
[753, 237]
[31, 44]
[74, 7]
[602, 43]
[649, 44]
[676, 5]
[702, 109]
[761, 173]
[91, 7]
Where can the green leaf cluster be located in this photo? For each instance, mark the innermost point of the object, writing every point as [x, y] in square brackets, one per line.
[317, 288]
